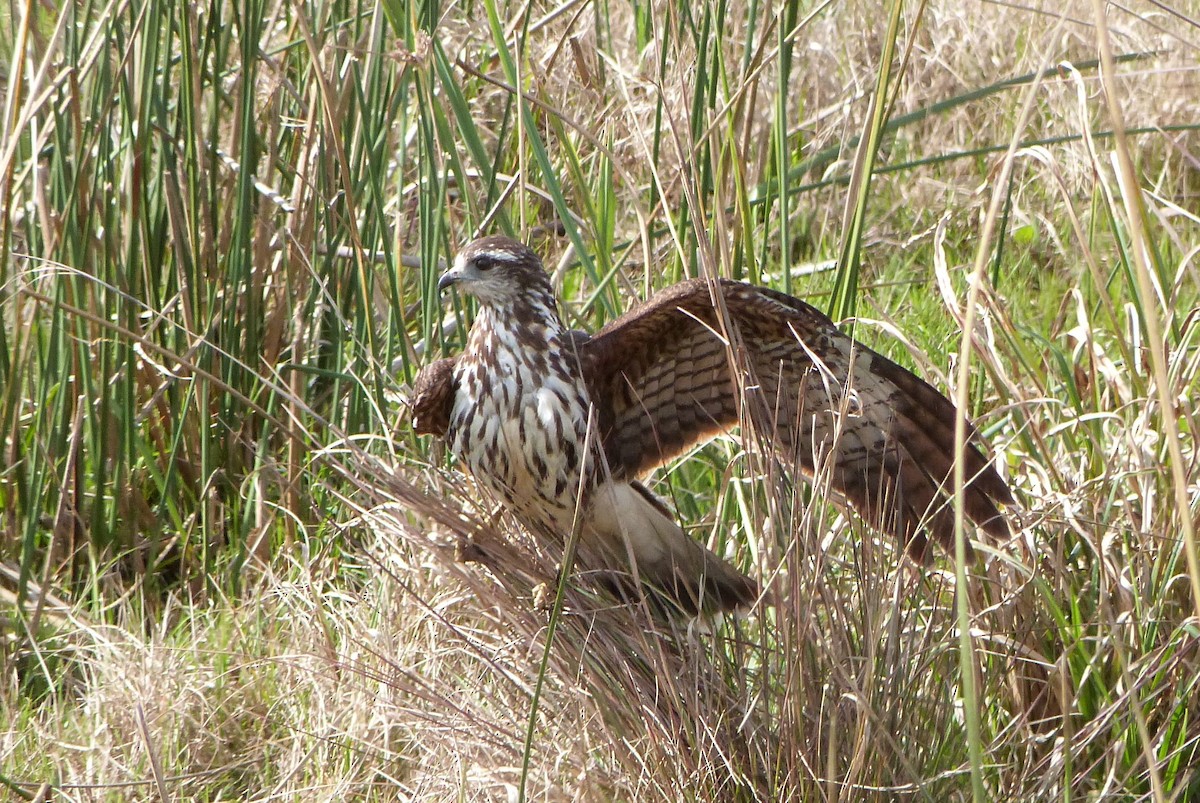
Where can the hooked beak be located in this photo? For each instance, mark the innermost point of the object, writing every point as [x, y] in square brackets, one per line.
[450, 277]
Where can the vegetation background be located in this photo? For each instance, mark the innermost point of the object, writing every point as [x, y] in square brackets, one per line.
[228, 570]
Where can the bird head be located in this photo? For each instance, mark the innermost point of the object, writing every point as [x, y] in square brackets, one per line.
[498, 271]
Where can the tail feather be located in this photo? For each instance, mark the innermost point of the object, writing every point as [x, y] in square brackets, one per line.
[628, 524]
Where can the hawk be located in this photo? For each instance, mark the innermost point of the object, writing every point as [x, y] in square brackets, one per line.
[560, 426]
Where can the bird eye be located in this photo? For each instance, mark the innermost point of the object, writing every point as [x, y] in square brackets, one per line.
[484, 263]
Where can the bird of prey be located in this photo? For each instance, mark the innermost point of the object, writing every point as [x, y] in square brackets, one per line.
[560, 426]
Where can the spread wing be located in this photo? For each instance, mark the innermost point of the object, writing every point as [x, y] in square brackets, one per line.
[675, 371]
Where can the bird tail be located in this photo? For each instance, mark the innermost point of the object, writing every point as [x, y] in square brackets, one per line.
[628, 524]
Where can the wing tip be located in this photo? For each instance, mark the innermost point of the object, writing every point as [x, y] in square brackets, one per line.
[432, 395]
